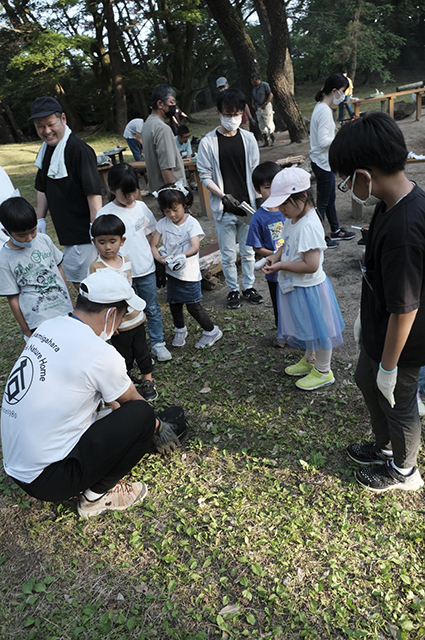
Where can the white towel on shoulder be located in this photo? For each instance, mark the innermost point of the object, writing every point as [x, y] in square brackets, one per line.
[57, 167]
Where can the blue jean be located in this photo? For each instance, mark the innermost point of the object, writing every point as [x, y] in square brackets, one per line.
[135, 148]
[397, 428]
[145, 287]
[326, 195]
[228, 228]
[345, 103]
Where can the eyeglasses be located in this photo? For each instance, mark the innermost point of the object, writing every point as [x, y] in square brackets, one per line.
[343, 186]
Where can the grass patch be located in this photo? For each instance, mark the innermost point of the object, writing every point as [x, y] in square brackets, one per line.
[254, 529]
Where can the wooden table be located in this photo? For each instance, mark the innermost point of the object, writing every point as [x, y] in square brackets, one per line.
[113, 153]
[204, 194]
[390, 97]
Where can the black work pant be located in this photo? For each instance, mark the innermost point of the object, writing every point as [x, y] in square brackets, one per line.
[106, 452]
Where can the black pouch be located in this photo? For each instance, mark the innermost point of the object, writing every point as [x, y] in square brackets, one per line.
[161, 278]
[175, 416]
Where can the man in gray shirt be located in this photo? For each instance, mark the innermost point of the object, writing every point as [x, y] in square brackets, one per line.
[163, 162]
[262, 102]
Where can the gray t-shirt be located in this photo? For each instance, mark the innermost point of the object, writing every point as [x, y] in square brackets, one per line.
[160, 152]
[260, 94]
[133, 127]
[33, 274]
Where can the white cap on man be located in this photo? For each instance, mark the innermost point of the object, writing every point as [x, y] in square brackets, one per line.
[107, 287]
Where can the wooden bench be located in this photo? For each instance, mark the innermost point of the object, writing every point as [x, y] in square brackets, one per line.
[389, 98]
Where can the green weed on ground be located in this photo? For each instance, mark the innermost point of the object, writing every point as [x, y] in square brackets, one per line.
[255, 528]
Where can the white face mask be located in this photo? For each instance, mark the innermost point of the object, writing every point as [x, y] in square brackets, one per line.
[370, 200]
[340, 98]
[104, 335]
[21, 245]
[231, 124]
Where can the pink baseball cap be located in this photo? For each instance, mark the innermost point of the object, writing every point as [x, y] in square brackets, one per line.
[285, 184]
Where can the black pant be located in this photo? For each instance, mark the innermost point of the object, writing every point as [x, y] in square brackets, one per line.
[273, 296]
[132, 345]
[106, 452]
[196, 310]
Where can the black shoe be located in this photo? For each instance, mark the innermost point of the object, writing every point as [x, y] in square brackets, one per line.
[331, 244]
[253, 296]
[273, 139]
[233, 300]
[367, 453]
[148, 390]
[135, 379]
[342, 234]
[386, 478]
[266, 140]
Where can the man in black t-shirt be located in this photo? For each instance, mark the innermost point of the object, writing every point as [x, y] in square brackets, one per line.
[370, 153]
[67, 184]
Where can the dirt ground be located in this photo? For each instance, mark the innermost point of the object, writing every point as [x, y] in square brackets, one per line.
[341, 264]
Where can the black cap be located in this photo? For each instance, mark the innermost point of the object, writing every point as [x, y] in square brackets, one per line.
[45, 106]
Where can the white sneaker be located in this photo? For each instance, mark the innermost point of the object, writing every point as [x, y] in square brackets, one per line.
[421, 406]
[161, 352]
[208, 338]
[122, 496]
[179, 339]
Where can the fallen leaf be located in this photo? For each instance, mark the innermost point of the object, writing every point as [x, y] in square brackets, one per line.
[229, 608]
[206, 388]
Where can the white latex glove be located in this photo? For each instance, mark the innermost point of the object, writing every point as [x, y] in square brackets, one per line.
[41, 225]
[26, 338]
[357, 331]
[386, 381]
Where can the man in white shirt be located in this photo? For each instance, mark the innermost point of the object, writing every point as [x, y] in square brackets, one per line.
[55, 445]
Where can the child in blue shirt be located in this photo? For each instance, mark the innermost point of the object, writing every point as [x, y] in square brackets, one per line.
[266, 226]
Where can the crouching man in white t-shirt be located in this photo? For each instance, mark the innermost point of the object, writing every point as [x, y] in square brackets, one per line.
[53, 446]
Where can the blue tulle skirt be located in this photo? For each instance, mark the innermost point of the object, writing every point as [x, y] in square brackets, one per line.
[309, 317]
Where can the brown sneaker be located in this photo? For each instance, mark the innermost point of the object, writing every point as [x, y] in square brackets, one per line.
[122, 496]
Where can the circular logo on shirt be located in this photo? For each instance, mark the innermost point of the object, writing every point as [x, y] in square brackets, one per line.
[19, 381]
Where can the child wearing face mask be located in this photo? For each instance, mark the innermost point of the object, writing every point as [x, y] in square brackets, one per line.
[30, 273]
[322, 133]
[226, 159]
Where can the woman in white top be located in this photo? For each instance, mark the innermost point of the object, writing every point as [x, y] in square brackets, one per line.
[322, 132]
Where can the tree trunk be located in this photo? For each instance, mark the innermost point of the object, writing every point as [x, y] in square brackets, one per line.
[353, 38]
[280, 73]
[115, 58]
[6, 136]
[232, 27]
[101, 67]
[18, 132]
[74, 121]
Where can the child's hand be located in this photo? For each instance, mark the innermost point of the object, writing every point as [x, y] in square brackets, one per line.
[271, 267]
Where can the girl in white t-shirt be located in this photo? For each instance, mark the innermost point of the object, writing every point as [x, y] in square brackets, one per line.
[309, 316]
[181, 235]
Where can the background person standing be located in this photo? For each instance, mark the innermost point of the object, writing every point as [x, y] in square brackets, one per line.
[261, 101]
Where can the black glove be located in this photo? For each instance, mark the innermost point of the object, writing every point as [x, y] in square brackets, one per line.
[231, 205]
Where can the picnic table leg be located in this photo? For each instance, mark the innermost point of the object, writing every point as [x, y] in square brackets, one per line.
[356, 108]
[391, 107]
[418, 106]
[383, 106]
[204, 198]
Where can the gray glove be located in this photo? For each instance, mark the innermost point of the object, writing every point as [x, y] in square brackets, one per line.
[175, 263]
[231, 205]
[41, 225]
[386, 382]
[164, 438]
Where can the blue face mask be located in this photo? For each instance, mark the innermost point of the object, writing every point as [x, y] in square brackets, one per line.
[21, 245]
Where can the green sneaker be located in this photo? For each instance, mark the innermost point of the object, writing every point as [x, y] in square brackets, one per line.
[315, 380]
[300, 369]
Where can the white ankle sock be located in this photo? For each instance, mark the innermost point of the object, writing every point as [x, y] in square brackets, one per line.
[91, 496]
[404, 472]
[387, 452]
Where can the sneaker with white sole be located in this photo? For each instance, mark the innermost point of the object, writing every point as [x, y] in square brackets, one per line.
[208, 338]
[386, 478]
[233, 300]
[122, 496]
[180, 336]
[301, 368]
[367, 453]
[314, 380]
[161, 352]
[252, 295]
[148, 390]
